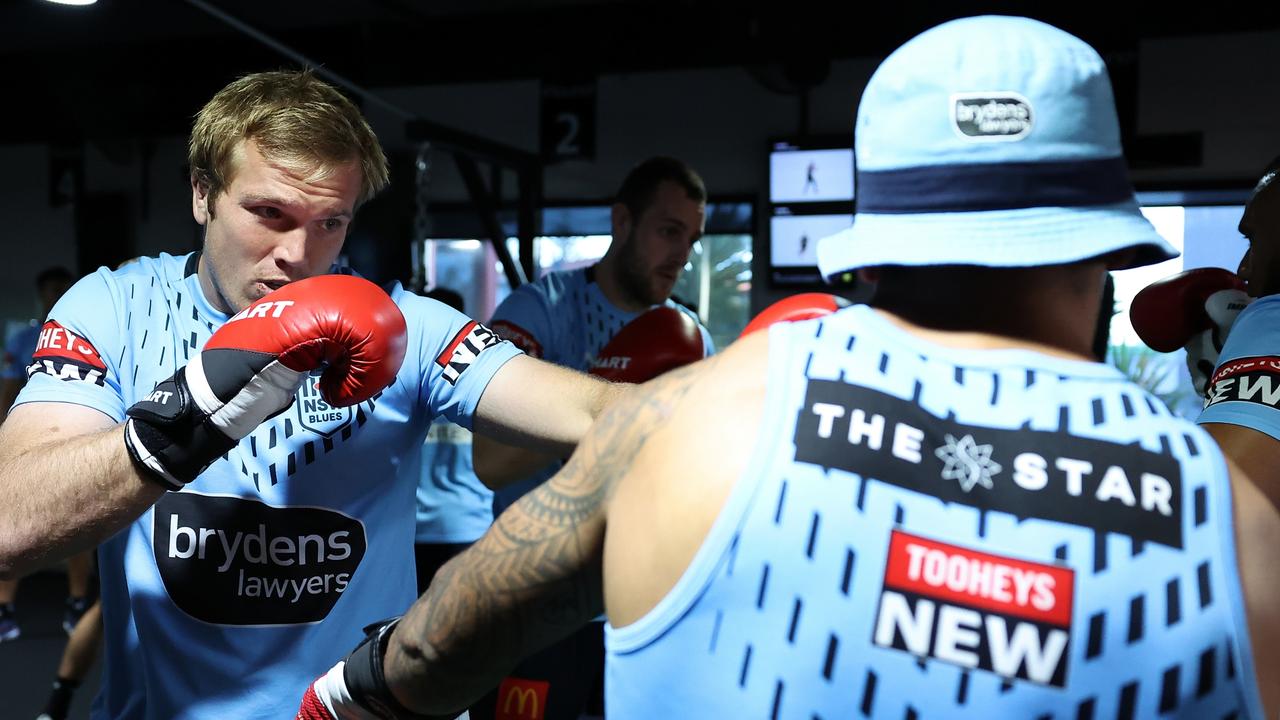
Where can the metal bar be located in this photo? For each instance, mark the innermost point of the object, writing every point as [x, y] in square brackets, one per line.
[514, 158]
[488, 213]
[528, 225]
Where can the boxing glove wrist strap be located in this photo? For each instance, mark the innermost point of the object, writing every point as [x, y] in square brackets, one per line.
[364, 677]
[170, 437]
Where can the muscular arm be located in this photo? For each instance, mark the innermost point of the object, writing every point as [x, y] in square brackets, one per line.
[1254, 459]
[541, 406]
[66, 482]
[534, 577]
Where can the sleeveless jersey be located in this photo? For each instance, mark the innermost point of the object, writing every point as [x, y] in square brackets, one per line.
[925, 532]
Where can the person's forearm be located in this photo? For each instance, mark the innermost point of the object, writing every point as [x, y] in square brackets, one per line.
[428, 668]
[497, 465]
[606, 395]
[534, 404]
[63, 496]
[532, 579]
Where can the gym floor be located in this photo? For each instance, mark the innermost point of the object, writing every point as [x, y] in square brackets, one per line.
[28, 664]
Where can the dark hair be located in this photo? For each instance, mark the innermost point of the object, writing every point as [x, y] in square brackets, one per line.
[447, 296]
[56, 273]
[640, 185]
[1266, 179]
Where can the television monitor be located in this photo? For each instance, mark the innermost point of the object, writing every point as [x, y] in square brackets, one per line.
[813, 171]
[810, 196]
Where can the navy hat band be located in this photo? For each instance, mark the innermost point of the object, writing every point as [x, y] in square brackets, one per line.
[999, 186]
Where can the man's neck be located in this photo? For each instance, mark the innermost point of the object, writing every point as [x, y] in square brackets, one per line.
[210, 289]
[611, 286]
[988, 339]
[1047, 310]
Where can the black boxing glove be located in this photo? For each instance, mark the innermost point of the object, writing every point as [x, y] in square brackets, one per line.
[356, 688]
[251, 368]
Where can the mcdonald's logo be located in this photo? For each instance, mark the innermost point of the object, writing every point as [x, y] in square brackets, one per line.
[520, 699]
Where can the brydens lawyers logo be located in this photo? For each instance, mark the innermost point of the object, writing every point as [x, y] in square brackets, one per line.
[465, 347]
[520, 699]
[62, 354]
[976, 610]
[234, 561]
[986, 116]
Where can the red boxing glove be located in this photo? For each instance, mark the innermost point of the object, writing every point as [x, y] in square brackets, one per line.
[1168, 313]
[805, 306]
[661, 339]
[251, 368]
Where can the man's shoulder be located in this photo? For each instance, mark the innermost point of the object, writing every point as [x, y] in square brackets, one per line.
[164, 266]
[135, 280]
[1260, 314]
[555, 286]
[548, 292]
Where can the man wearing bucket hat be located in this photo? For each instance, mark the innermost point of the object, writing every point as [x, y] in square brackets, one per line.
[935, 506]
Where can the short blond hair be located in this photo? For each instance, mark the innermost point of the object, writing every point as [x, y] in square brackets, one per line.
[295, 119]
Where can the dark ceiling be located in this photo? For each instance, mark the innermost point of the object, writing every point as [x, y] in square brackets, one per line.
[136, 68]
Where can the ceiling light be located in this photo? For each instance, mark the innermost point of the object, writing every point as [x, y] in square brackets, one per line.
[73, 2]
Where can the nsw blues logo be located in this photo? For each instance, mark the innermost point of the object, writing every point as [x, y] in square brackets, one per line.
[315, 414]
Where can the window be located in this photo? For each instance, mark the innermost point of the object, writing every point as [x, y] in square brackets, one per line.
[1203, 226]
[716, 282]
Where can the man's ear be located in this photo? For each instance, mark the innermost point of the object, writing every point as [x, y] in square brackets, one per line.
[620, 220]
[200, 207]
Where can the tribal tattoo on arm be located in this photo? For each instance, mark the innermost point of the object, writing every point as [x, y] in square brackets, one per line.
[536, 575]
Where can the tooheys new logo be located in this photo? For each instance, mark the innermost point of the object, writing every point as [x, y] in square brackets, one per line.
[976, 610]
[463, 350]
[1250, 379]
[991, 116]
[62, 354]
[233, 561]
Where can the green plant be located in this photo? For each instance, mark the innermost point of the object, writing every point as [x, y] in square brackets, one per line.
[1157, 373]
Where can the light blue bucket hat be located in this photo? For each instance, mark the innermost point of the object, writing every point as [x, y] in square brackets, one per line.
[990, 141]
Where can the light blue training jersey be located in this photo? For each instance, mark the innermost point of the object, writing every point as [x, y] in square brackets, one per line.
[226, 599]
[563, 318]
[926, 533]
[453, 505]
[1245, 388]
